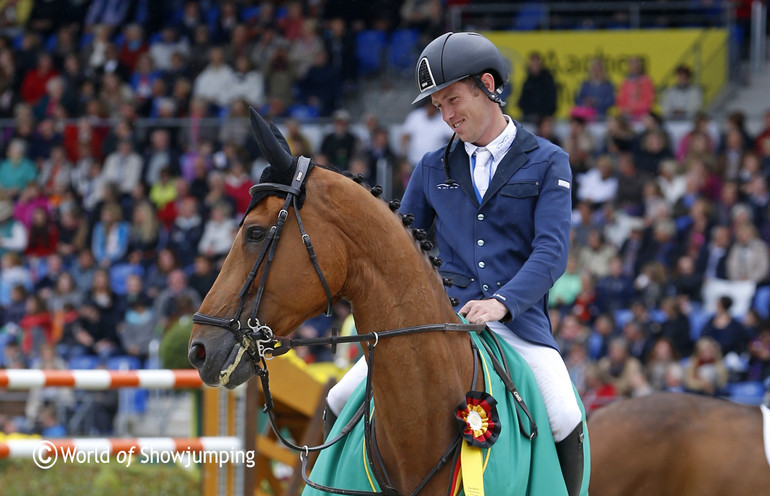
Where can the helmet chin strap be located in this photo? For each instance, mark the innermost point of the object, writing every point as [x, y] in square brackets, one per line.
[492, 95]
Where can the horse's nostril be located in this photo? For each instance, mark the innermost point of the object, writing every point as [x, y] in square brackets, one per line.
[197, 355]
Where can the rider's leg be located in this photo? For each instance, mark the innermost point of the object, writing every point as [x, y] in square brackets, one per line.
[564, 414]
[339, 394]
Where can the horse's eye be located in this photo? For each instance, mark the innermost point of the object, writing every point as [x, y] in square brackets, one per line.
[256, 233]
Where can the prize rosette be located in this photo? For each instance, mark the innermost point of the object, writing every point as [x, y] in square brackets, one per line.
[478, 419]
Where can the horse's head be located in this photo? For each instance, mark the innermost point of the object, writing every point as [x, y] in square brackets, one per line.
[267, 288]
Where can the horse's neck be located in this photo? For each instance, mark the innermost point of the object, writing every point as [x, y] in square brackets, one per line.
[417, 380]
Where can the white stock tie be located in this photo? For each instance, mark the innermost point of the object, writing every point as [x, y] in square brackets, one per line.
[482, 170]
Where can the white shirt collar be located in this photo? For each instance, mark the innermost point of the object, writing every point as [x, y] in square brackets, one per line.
[499, 146]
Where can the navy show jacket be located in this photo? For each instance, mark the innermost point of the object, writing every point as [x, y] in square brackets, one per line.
[512, 246]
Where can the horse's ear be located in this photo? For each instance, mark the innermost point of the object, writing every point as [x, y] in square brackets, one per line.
[271, 142]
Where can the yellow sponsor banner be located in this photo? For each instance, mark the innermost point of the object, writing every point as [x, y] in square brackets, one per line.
[568, 54]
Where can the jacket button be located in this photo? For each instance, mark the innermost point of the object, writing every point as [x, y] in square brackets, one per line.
[485, 287]
[480, 242]
[480, 216]
[481, 265]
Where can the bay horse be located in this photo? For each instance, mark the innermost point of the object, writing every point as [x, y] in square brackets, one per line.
[677, 444]
[362, 252]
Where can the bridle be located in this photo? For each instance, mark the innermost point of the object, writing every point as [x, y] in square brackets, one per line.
[255, 338]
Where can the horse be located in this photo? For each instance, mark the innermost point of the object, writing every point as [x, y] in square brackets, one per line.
[677, 444]
[348, 243]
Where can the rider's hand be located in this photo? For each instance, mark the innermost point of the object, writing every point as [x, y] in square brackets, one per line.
[482, 311]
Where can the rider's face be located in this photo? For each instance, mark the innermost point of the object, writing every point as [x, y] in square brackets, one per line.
[468, 111]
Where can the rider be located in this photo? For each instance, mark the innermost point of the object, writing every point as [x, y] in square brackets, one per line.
[501, 207]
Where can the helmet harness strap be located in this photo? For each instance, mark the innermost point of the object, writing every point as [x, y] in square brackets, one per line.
[492, 95]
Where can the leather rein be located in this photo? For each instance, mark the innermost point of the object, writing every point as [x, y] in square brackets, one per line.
[261, 344]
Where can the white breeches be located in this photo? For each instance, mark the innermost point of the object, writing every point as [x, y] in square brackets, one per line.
[546, 363]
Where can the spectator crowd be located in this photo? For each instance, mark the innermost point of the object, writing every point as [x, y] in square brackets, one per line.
[111, 235]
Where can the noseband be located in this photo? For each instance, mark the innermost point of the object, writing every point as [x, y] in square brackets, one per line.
[255, 338]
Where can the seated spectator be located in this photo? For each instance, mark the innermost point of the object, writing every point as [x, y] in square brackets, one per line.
[630, 186]
[636, 95]
[671, 181]
[305, 49]
[143, 78]
[55, 172]
[728, 332]
[144, 234]
[619, 367]
[203, 276]
[246, 83]
[341, 143]
[684, 99]
[424, 130]
[731, 151]
[124, 167]
[64, 292]
[748, 258]
[700, 129]
[579, 144]
[73, 233]
[43, 235]
[110, 236]
[595, 256]
[13, 274]
[566, 288]
[661, 357]
[705, 372]
[186, 232]
[762, 141]
[600, 391]
[31, 198]
[596, 92]
[233, 130]
[96, 333]
[35, 326]
[603, 331]
[759, 355]
[614, 290]
[321, 87]
[218, 233]
[538, 93]
[211, 82]
[620, 135]
[546, 131]
[169, 300]
[137, 329]
[599, 184]
[17, 170]
[133, 46]
[651, 152]
[686, 282]
[55, 96]
[163, 50]
[34, 81]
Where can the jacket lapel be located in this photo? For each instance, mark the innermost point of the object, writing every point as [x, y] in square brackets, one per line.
[460, 169]
[516, 157]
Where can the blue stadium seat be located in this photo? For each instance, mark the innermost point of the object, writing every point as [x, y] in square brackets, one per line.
[370, 49]
[748, 392]
[86, 39]
[698, 318]
[303, 112]
[622, 316]
[83, 362]
[119, 274]
[250, 13]
[123, 362]
[531, 16]
[761, 301]
[402, 50]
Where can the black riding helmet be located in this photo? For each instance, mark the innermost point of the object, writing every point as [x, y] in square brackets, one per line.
[454, 56]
